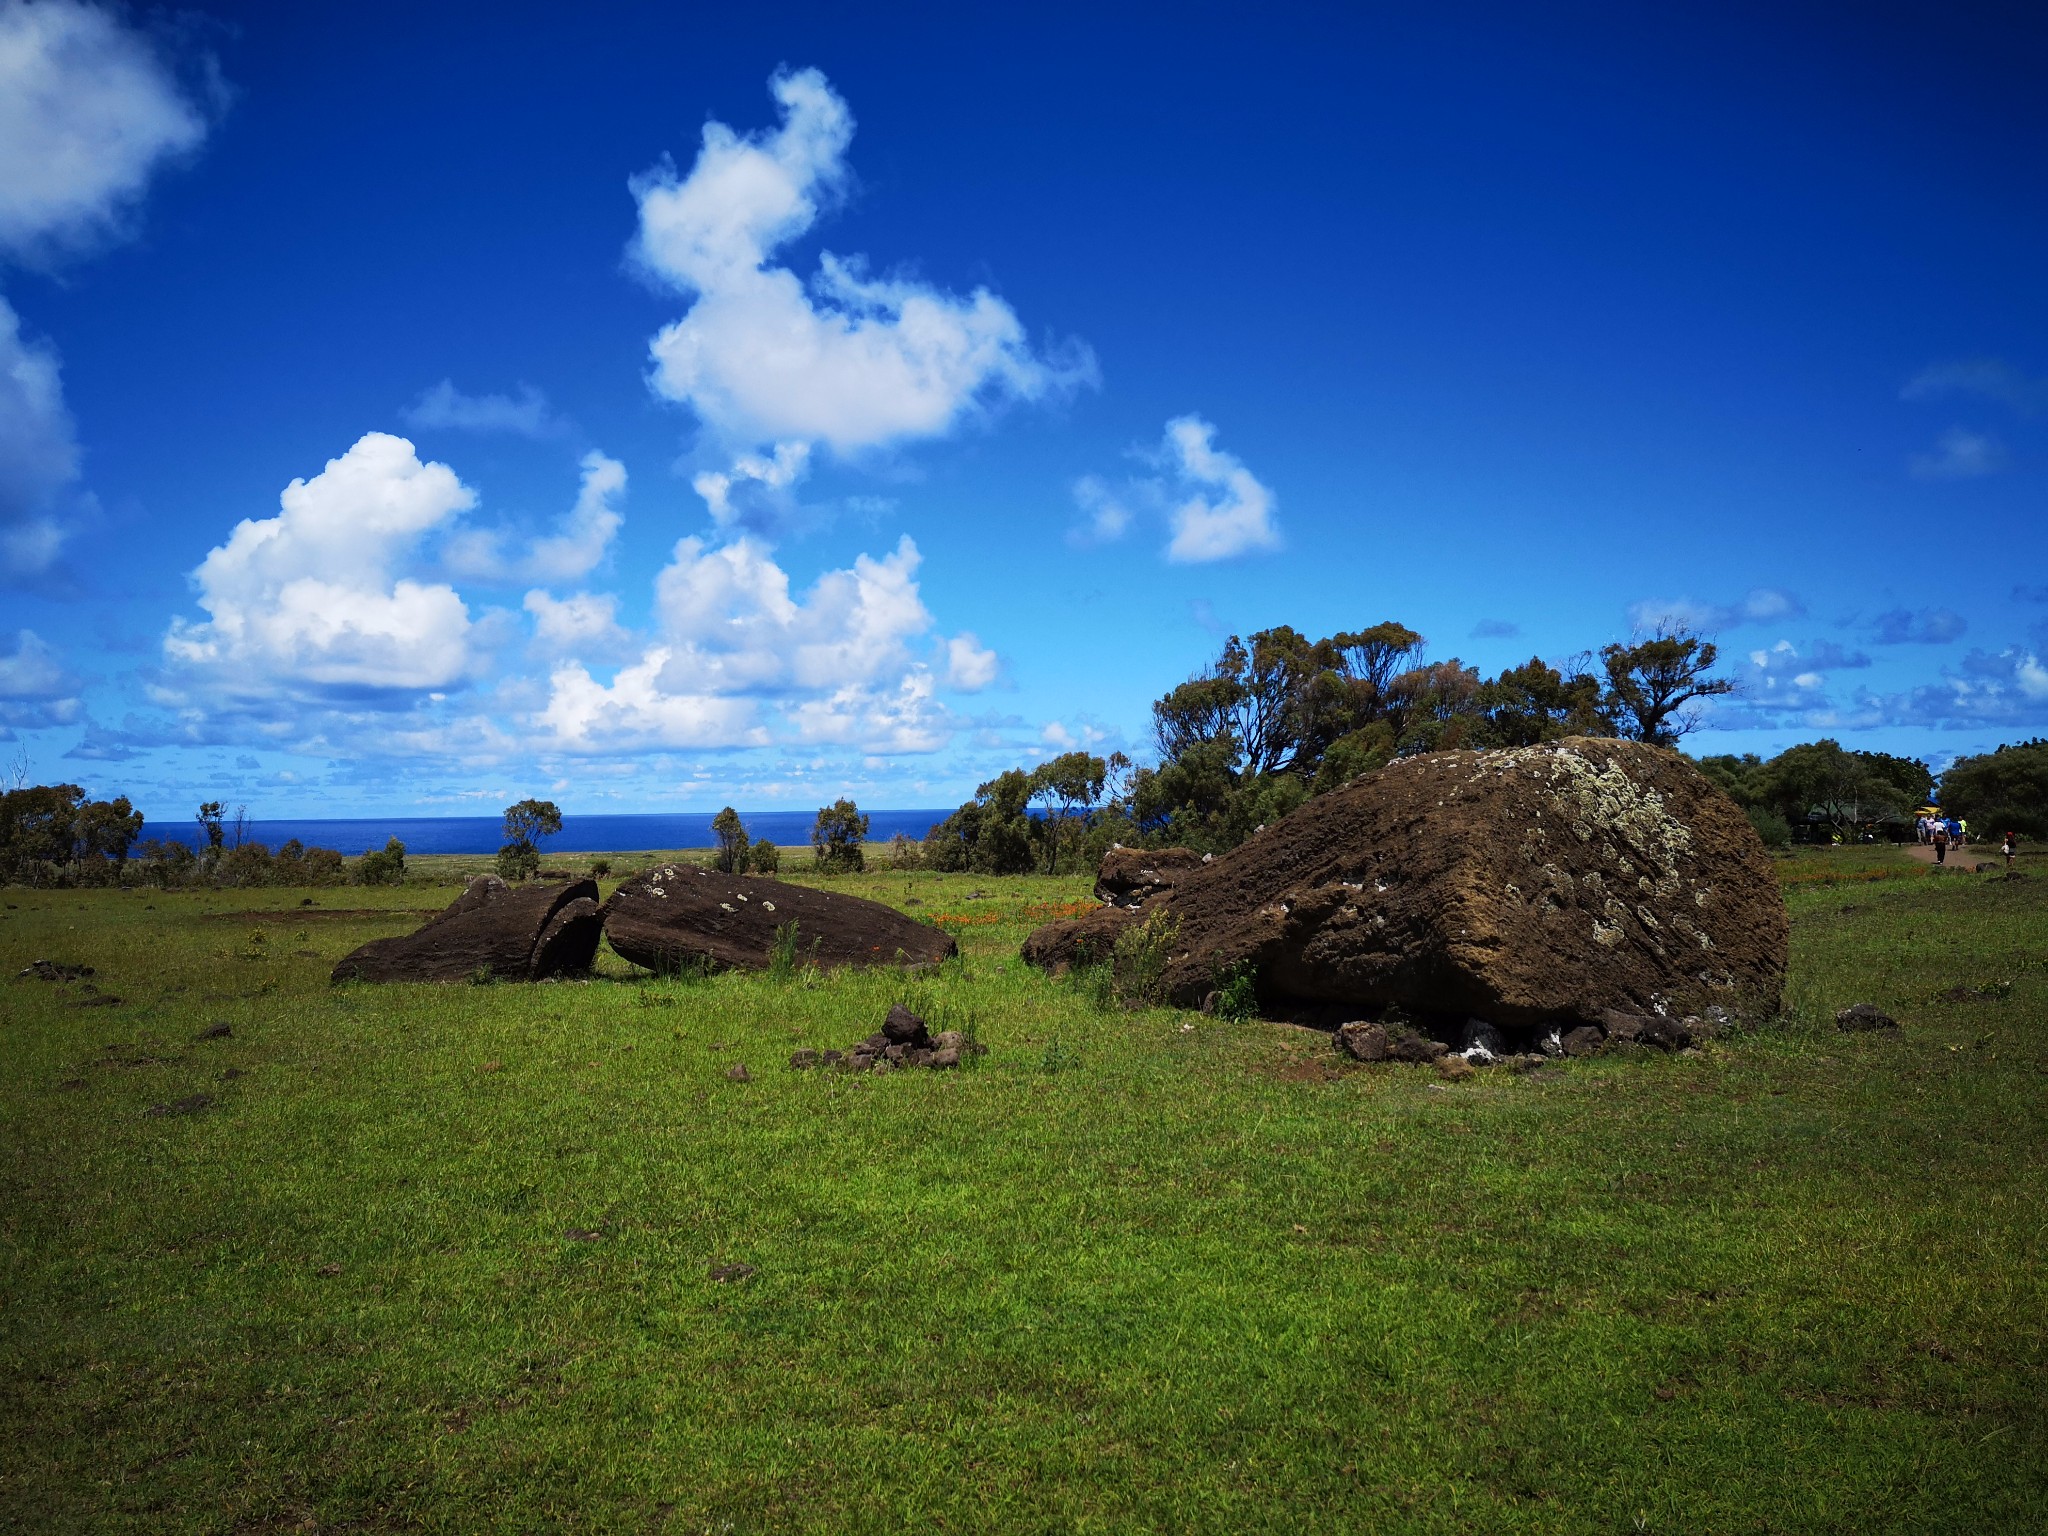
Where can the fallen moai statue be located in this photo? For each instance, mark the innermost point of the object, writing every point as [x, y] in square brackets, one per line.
[1586, 884]
[679, 917]
[510, 933]
[1129, 877]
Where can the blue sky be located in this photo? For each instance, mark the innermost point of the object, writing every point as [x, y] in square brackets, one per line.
[412, 408]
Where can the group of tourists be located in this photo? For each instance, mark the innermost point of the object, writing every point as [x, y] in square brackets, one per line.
[1941, 833]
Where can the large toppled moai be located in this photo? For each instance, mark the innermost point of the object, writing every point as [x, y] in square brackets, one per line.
[506, 932]
[1581, 883]
[680, 917]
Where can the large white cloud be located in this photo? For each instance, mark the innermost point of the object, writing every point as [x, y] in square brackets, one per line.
[736, 651]
[87, 111]
[569, 555]
[851, 361]
[315, 601]
[1222, 509]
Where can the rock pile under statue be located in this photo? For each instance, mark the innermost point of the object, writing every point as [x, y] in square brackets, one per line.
[1582, 884]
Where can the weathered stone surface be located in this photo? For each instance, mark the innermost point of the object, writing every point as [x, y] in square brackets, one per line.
[678, 917]
[515, 933]
[1583, 1041]
[1532, 887]
[1454, 1068]
[1085, 940]
[1407, 1045]
[1861, 1016]
[902, 1027]
[1362, 1040]
[1129, 877]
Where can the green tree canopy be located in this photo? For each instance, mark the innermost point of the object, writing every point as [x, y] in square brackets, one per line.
[836, 837]
[2002, 791]
[732, 841]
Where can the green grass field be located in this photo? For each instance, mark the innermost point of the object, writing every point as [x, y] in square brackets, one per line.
[440, 1259]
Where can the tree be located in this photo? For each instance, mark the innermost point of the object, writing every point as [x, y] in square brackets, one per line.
[764, 858]
[1065, 785]
[1650, 683]
[209, 819]
[526, 823]
[732, 841]
[1821, 781]
[836, 837]
[50, 833]
[1536, 702]
[990, 834]
[2002, 791]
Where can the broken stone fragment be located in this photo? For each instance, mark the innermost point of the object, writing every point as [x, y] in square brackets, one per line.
[1454, 1068]
[803, 1060]
[1862, 1016]
[1362, 1040]
[1583, 1041]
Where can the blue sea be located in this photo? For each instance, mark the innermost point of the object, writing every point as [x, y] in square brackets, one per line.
[579, 834]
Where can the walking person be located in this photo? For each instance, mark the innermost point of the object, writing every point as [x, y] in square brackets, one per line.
[1941, 842]
[2009, 848]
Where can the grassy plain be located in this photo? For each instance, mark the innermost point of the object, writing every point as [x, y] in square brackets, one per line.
[440, 1259]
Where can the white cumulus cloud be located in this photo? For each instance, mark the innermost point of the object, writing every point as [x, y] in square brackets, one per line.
[36, 689]
[88, 109]
[736, 652]
[579, 622]
[849, 360]
[569, 555]
[315, 601]
[38, 453]
[1763, 605]
[1222, 510]
[970, 666]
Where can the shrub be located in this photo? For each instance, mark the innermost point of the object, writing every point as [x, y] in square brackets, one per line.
[599, 868]
[1237, 992]
[905, 852]
[1137, 966]
[518, 860]
[764, 858]
[246, 864]
[321, 866]
[384, 867]
[836, 838]
[1770, 825]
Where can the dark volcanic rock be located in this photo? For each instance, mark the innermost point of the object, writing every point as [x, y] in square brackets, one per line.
[1129, 877]
[678, 917]
[1536, 886]
[1086, 940]
[1362, 1041]
[515, 933]
[1860, 1016]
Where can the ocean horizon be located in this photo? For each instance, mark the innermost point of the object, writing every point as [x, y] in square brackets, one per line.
[638, 833]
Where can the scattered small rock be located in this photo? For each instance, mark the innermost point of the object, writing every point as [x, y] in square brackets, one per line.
[215, 1032]
[231, 1074]
[738, 1073]
[903, 1041]
[1583, 1041]
[1454, 1068]
[192, 1104]
[1411, 1045]
[582, 1235]
[72, 1084]
[1362, 1040]
[726, 1274]
[53, 970]
[1862, 1016]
